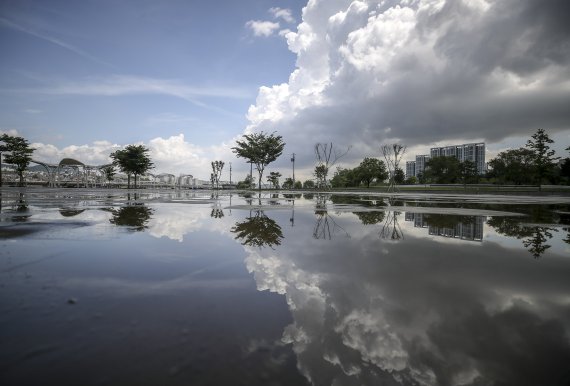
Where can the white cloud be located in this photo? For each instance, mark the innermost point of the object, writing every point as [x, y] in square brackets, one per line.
[282, 13]
[262, 28]
[425, 69]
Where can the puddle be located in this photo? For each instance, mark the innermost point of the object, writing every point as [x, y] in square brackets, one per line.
[177, 288]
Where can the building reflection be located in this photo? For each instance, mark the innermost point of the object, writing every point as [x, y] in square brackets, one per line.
[468, 228]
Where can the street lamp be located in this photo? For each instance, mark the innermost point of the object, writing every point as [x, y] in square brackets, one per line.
[293, 160]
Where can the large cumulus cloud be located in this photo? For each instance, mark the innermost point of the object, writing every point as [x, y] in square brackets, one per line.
[421, 72]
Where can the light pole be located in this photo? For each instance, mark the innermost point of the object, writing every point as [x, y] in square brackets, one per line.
[2, 148]
[293, 160]
[230, 175]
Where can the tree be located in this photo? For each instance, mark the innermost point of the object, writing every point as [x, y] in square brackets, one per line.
[393, 155]
[247, 183]
[258, 231]
[133, 216]
[309, 184]
[260, 149]
[320, 173]
[345, 177]
[288, 184]
[298, 185]
[514, 166]
[134, 160]
[442, 170]
[399, 176]
[468, 172]
[543, 156]
[217, 167]
[109, 173]
[19, 154]
[370, 169]
[273, 179]
[327, 156]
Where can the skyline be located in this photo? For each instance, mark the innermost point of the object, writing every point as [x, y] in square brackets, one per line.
[188, 78]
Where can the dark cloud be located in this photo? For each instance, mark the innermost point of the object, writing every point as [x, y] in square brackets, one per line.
[460, 70]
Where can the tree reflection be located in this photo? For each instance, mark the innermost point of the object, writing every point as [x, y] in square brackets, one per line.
[370, 218]
[534, 237]
[391, 227]
[258, 231]
[217, 213]
[134, 216]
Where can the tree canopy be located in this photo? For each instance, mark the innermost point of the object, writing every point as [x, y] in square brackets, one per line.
[19, 153]
[543, 157]
[370, 169]
[134, 160]
[514, 166]
[260, 149]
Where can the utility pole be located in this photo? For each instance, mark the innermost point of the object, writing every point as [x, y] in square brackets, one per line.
[293, 160]
[230, 175]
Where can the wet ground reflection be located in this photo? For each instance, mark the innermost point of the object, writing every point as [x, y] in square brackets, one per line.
[194, 288]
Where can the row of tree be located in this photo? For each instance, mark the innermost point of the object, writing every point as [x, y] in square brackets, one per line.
[534, 163]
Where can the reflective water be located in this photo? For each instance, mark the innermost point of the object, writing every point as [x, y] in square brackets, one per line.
[182, 288]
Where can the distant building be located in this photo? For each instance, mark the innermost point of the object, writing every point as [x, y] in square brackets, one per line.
[410, 169]
[474, 152]
[421, 164]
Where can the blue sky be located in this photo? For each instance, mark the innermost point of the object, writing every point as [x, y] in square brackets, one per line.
[67, 68]
[186, 78]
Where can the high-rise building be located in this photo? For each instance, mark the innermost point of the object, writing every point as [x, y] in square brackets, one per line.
[474, 152]
[410, 169]
[421, 163]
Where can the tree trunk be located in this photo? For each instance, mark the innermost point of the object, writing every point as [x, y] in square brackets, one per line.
[135, 180]
[128, 181]
[21, 179]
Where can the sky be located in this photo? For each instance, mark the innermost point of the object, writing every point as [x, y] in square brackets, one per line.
[188, 78]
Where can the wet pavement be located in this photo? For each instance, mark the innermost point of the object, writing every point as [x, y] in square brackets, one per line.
[109, 287]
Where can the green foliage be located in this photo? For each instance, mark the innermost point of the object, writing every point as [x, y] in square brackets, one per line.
[321, 172]
[370, 218]
[411, 180]
[543, 156]
[109, 173]
[344, 178]
[217, 167]
[19, 153]
[133, 216]
[258, 231]
[288, 184]
[309, 184]
[513, 167]
[468, 172]
[399, 176]
[443, 170]
[371, 169]
[248, 183]
[298, 185]
[134, 160]
[273, 179]
[260, 149]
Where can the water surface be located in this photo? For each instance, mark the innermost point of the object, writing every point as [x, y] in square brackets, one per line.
[109, 287]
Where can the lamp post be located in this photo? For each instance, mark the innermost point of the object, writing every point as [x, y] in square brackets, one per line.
[230, 175]
[2, 148]
[293, 160]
